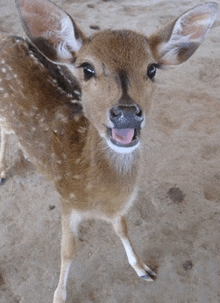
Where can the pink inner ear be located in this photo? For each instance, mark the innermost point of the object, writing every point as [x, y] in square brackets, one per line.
[196, 26]
[40, 17]
[37, 26]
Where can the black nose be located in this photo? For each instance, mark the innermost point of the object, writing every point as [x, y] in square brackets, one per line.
[123, 116]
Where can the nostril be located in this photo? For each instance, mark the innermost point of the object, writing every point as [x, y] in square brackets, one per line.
[139, 112]
[115, 112]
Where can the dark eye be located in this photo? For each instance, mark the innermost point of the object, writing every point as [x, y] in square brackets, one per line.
[88, 71]
[151, 71]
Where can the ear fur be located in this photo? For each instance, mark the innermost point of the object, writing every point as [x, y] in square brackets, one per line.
[51, 30]
[177, 41]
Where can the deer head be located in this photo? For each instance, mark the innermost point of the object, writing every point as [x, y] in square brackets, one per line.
[115, 69]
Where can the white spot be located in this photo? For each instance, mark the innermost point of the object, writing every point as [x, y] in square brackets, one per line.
[72, 195]
[61, 117]
[5, 95]
[3, 61]
[73, 101]
[69, 95]
[41, 64]
[77, 176]
[81, 129]
[76, 117]
[89, 186]
[59, 161]
[61, 90]
[77, 161]
[77, 92]
[36, 61]
[1, 88]
[15, 75]
[4, 70]
[60, 70]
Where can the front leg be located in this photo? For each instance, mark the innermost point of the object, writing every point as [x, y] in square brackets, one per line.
[142, 270]
[68, 250]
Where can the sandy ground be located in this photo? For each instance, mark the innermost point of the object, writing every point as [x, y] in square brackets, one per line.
[175, 223]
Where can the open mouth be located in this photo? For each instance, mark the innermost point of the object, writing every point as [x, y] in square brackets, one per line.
[126, 137]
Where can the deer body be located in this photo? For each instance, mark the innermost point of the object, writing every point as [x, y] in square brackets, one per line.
[78, 106]
[55, 134]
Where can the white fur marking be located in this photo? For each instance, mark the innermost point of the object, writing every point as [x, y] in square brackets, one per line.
[130, 252]
[77, 161]
[72, 195]
[67, 37]
[122, 150]
[65, 281]
[75, 219]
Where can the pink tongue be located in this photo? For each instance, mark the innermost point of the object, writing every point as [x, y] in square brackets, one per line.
[123, 136]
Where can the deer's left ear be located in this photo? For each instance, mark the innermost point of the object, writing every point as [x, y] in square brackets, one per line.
[51, 30]
[176, 42]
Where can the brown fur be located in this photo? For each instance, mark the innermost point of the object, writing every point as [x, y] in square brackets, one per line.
[62, 121]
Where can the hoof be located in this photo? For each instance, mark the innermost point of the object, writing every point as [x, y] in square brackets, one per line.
[149, 276]
[2, 181]
[152, 273]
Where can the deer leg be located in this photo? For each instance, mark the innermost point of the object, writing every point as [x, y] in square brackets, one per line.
[68, 249]
[142, 270]
[3, 156]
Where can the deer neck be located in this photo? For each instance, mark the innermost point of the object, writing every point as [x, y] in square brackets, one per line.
[108, 164]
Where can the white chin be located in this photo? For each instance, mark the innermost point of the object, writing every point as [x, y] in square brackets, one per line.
[121, 149]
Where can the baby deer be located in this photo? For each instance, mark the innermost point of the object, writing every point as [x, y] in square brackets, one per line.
[78, 107]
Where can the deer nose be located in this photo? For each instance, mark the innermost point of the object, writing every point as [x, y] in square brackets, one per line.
[123, 116]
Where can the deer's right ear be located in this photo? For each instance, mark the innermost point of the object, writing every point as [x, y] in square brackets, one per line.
[51, 30]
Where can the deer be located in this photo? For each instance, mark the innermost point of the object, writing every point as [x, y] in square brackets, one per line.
[78, 106]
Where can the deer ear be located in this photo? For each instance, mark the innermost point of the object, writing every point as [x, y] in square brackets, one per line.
[51, 30]
[176, 42]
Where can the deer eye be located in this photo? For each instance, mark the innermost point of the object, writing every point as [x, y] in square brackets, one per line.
[88, 71]
[151, 71]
